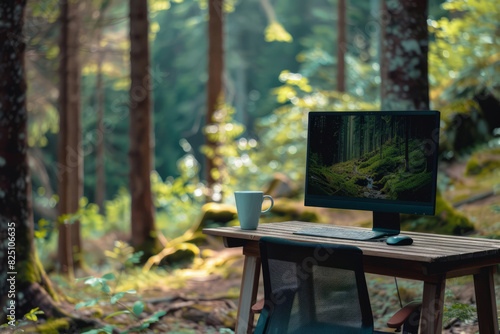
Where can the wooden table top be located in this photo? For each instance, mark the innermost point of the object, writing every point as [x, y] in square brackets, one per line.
[431, 250]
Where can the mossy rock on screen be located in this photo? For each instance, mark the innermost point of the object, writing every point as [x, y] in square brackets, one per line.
[324, 180]
[409, 186]
[360, 180]
[447, 220]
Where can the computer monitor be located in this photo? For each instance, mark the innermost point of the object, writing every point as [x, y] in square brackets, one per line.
[381, 161]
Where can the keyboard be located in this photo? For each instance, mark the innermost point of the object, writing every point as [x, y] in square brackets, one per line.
[340, 233]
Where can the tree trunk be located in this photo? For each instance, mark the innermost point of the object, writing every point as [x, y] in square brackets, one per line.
[19, 260]
[407, 138]
[215, 91]
[381, 133]
[100, 191]
[361, 136]
[341, 46]
[70, 156]
[404, 65]
[141, 132]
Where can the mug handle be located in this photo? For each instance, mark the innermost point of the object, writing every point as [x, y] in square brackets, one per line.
[272, 203]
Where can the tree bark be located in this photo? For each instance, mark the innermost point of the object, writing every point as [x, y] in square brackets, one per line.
[215, 89]
[70, 156]
[404, 49]
[141, 132]
[32, 287]
[341, 46]
[100, 191]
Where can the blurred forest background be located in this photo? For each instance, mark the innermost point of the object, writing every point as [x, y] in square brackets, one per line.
[281, 59]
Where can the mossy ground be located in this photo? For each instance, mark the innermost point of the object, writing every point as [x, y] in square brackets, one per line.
[387, 171]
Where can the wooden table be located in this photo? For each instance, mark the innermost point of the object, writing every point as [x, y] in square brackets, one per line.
[432, 259]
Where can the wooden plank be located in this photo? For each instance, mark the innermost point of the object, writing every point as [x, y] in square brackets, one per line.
[486, 302]
[421, 238]
[408, 253]
[426, 247]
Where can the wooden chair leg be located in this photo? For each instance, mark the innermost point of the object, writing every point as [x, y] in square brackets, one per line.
[485, 299]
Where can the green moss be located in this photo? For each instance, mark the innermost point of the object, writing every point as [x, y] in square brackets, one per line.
[446, 221]
[179, 258]
[215, 215]
[473, 167]
[483, 162]
[52, 326]
[285, 207]
[384, 167]
[409, 186]
[360, 180]
[325, 181]
[32, 271]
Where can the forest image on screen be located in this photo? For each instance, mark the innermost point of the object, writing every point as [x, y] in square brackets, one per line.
[387, 157]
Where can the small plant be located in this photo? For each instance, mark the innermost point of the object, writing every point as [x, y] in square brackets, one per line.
[464, 312]
[124, 256]
[461, 311]
[114, 298]
[30, 316]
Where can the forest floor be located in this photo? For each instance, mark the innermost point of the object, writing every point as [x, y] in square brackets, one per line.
[203, 298]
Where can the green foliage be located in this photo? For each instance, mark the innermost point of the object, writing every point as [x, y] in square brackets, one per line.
[464, 58]
[325, 180]
[31, 316]
[464, 312]
[123, 255]
[106, 329]
[178, 200]
[408, 185]
[118, 210]
[114, 298]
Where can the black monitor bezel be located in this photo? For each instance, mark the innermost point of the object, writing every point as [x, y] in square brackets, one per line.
[378, 205]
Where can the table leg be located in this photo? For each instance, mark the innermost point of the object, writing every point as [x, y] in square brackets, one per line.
[248, 294]
[484, 287]
[431, 319]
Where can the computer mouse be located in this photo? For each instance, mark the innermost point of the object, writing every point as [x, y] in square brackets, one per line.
[399, 240]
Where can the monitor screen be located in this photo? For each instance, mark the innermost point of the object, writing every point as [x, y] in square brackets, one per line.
[384, 161]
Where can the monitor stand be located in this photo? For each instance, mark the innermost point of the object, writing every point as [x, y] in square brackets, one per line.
[387, 223]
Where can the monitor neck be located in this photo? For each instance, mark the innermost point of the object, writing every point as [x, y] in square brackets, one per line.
[387, 222]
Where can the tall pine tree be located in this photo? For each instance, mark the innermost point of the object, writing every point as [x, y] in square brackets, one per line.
[141, 133]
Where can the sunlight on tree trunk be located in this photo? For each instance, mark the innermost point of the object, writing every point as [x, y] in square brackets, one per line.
[141, 132]
[215, 95]
[32, 287]
[70, 155]
[404, 48]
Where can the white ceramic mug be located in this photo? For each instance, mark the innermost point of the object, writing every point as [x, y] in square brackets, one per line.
[249, 207]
